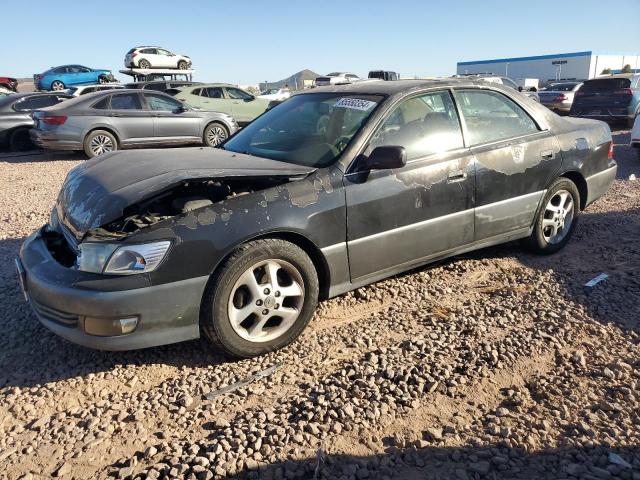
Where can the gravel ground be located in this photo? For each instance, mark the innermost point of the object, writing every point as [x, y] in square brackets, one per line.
[496, 364]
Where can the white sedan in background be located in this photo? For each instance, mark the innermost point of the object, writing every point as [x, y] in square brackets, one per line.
[277, 94]
[98, 87]
[635, 135]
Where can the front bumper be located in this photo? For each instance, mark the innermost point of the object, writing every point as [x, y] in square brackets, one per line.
[63, 297]
[598, 184]
[51, 141]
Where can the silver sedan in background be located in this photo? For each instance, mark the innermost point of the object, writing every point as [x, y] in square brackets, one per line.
[111, 120]
[559, 96]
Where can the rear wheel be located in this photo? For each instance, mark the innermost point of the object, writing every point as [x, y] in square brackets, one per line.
[556, 219]
[57, 85]
[214, 134]
[182, 65]
[144, 64]
[99, 142]
[19, 141]
[261, 299]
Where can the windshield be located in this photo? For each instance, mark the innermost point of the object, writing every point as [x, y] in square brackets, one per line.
[308, 129]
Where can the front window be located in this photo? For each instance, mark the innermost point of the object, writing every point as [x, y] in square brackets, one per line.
[423, 125]
[308, 129]
[238, 94]
[162, 103]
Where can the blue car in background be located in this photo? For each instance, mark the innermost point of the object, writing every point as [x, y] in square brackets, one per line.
[59, 78]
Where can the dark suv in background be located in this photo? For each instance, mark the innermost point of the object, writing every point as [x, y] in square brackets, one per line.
[614, 98]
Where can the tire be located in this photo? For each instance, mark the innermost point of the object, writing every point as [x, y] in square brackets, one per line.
[228, 296]
[99, 142]
[214, 134]
[20, 141]
[103, 79]
[57, 85]
[563, 195]
[144, 64]
[182, 65]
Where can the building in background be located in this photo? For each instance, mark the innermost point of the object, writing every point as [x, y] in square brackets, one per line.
[551, 68]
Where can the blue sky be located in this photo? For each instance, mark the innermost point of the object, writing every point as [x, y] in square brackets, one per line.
[252, 41]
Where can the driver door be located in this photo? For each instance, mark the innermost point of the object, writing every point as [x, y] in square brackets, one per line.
[400, 217]
[243, 105]
[170, 121]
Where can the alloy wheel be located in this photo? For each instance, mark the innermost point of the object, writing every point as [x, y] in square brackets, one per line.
[57, 86]
[101, 144]
[266, 300]
[216, 135]
[558, 217]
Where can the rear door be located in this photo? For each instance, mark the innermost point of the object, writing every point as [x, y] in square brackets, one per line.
[516, 159]
[397, 218]
[133, 123]
[171, 122]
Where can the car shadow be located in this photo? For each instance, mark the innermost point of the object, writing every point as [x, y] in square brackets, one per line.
[27, 343]
[493, 462]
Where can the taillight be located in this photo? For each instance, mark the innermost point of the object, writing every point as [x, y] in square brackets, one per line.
[624, 91]
[560, 98]
[54, 119]
[133, 55]
[38, 77]
[610, 154]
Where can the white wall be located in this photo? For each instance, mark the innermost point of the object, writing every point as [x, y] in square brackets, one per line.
[542, 69]
[614, 62]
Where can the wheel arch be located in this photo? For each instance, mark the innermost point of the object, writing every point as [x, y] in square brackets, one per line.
[109, 129]
[309, 247]
[578, 179]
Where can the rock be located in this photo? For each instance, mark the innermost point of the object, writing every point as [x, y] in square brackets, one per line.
[502, 412]
[63, 470]
[579, 358]
[185, 400]
[618, 460]
[482, 467]
[433, 434]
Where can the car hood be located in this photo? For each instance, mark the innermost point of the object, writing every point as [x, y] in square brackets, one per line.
[97, 192]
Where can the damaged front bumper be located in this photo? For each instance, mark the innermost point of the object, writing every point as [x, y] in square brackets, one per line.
[91, 309]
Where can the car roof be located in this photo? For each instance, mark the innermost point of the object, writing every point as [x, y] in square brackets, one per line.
[377, 87]
[212, 85]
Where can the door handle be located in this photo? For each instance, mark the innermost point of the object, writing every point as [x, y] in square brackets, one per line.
[456, 176]
[548, 154]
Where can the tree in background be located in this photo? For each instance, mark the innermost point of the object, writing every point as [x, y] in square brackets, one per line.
[606, 71]
[626, 68]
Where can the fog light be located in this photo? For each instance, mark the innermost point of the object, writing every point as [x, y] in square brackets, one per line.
[109, 327]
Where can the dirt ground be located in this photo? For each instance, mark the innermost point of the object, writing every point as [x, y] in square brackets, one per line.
[495, 364]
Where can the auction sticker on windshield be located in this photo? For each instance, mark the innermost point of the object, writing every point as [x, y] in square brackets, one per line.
[355, 104]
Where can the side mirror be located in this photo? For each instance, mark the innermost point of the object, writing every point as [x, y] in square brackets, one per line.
[520, 88]
[250, 99]
[386, 158]
[180, 109]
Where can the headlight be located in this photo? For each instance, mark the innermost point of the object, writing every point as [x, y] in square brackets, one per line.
[121, 260]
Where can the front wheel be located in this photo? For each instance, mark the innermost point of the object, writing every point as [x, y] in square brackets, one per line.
[182, 65]
[261, 300]
[57, 85]
[557, 218]
[99, 142]
[214, 134]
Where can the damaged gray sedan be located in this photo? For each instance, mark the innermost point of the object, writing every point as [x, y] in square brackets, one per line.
[331, 190]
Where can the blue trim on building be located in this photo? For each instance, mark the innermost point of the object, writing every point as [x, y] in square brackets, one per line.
[526, 59]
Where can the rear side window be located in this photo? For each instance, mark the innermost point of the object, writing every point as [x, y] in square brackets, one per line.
[237, 94]
[212, 92]
[34, 103]
[126, 101]
[102, 104]
[196, 91]
[605, 85]
[492, 116]
[423, 125]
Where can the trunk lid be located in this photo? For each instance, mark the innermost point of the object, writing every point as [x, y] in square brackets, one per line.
[604, 93]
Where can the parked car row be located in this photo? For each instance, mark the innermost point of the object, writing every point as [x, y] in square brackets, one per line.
[237, 244]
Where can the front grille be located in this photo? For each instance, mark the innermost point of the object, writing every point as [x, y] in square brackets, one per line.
[51, 314]
[70, 238]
